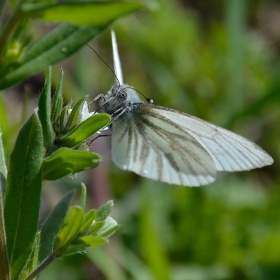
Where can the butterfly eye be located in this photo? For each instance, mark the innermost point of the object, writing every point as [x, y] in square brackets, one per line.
[123, 95]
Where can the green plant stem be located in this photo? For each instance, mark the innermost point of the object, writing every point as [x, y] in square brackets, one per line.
[41, 267]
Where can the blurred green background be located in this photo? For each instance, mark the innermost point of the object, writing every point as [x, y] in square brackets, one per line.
[217, 60]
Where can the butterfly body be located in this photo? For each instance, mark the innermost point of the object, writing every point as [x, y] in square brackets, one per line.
[121, 99]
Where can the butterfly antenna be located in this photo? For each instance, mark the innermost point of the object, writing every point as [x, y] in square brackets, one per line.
[105, 63]
[149, 100]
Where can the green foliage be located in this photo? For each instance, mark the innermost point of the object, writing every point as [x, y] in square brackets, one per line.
[104, 211]
[76, 231]
[66, 161]
[40, 153]
[84, 130]
[20, 59]
[83, 197]
[69, 230]
[44, 111]
[4, 264]
[22, 199]
[52, 225]
[79, 13]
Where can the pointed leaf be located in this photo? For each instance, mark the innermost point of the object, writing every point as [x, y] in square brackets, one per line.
[88, 220]
[109, 227]
[66, 161]
[57, 102]
[76, 115]
[52, 225]
[78, 249]
[4, 263]
[22, 200]
[44, 111]
[83, 198]
[56, 46]
[69, 230]
[93, 229]
[104, 210]
[90, 241]
[33, 259]
[64, 116]
[84, 130]
[87, 13]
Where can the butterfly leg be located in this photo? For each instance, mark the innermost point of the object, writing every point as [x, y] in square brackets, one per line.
[100, 135]
[99, 96]
[117, 114]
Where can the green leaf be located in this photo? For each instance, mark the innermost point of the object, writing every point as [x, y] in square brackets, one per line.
[84, 130]
[78, 249]
[66, 161]
[56, 46]
[90, 241]
[83, 198]
[22, 200]
[33, 259]
[44, 111]
[69, 230]
[109, 227]
[52, 225]
[88, 13]
[93, 229]
[57, 102]
[4, 124]
[64, 116]
[104, 210]
[4, 263]
[88, 219]
[76, 115]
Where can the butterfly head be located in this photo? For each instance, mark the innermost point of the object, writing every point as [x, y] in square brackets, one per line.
[120, 99]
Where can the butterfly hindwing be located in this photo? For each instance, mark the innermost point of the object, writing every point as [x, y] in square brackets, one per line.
[231, 152]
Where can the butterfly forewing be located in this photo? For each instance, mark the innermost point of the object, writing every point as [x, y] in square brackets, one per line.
[230, 152]
[160, 149]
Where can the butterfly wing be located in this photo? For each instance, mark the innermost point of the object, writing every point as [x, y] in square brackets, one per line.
[177, 148]
[161, 150]
[231, 152]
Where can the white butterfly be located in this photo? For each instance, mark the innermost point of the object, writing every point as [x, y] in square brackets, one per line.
[170, 146]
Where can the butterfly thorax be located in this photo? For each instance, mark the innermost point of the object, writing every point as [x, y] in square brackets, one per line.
[121, 99]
